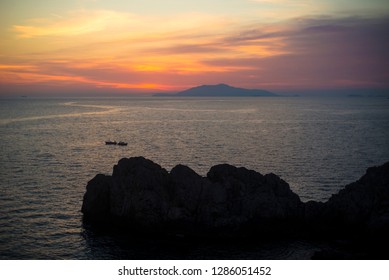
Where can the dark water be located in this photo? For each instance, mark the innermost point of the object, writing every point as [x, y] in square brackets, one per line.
[50, 149]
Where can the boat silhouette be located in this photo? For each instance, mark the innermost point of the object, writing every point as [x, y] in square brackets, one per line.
[121, 143]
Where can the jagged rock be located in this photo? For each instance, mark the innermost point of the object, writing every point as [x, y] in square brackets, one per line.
[363, 204]
[185, 195]
[138, 193]
[142, 195]
[96, 204]
[230, 201]
[246, 197]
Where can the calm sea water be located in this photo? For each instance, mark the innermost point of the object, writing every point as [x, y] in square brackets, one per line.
[50, 149]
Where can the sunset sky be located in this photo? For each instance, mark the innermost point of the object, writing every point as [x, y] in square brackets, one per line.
[140, 46]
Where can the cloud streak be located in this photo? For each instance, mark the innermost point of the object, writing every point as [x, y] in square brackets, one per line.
[118, 50]
[323, 53]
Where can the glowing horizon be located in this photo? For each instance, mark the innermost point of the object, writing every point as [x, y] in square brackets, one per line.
[90, 45]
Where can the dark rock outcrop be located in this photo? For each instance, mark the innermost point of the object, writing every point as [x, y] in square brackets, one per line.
[230, 201]
[362, 205]
[143, 196]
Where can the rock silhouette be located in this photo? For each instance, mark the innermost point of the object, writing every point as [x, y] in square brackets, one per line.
[230, 202]
[362, 205]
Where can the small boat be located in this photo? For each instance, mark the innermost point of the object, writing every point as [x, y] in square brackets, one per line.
[122, 143]
[110, 143]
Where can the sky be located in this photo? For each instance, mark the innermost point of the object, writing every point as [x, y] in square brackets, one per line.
[148, 46]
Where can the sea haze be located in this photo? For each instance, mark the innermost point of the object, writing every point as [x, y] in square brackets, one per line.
[52, 148]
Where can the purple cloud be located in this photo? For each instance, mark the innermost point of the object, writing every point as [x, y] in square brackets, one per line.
[322, 52]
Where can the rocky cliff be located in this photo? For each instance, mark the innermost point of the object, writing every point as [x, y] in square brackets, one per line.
[144, 197]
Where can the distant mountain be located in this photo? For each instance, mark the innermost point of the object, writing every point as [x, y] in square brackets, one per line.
[223, 90]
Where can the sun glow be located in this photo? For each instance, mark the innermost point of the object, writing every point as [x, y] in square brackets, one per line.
[134, 49]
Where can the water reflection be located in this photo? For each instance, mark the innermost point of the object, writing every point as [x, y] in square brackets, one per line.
[52, 148]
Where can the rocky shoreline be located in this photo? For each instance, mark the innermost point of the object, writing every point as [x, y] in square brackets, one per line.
[230, 202]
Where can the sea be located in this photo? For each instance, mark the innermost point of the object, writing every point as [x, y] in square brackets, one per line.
[51, 148]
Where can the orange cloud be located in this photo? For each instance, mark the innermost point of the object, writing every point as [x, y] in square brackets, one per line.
[73, 24]
[113, 50]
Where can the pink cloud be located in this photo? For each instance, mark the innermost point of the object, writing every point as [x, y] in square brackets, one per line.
[321, 52]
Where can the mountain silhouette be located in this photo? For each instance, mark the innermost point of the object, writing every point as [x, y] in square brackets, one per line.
[223, 90]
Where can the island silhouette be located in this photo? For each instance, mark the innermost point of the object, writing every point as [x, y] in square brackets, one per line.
[220, 90]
